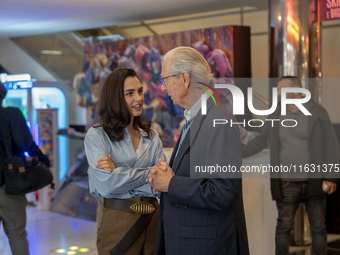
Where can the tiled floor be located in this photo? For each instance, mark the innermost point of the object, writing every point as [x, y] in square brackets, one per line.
[49, 231]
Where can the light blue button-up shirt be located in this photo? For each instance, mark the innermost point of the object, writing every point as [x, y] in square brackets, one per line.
[130, 178]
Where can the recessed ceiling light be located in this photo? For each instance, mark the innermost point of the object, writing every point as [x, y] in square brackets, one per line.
[51, 52]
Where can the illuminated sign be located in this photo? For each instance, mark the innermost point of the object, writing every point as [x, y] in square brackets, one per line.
[330, 9]
[18, 85]
[16, 81]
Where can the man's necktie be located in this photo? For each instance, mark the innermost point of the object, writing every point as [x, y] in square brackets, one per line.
[184, 133]
[186, 126]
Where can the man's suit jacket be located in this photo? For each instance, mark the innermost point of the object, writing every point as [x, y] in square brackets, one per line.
[204, 215]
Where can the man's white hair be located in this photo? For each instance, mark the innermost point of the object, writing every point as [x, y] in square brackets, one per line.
[187, 59]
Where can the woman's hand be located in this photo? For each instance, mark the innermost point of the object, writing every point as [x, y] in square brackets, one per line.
[106, 164]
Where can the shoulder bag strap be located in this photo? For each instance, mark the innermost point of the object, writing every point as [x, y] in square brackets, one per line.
[6, 135]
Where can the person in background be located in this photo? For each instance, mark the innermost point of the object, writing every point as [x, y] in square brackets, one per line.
[121, 149]
[202, 215]
[13, 207]
[311, 142]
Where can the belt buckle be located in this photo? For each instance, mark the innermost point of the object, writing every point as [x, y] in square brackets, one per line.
[142, 208]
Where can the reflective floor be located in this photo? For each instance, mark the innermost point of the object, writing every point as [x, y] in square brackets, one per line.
[333, 247]
[53, 233]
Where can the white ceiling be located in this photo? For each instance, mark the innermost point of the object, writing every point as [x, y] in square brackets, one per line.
[19, 18]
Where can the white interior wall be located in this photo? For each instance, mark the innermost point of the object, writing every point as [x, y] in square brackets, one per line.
[77, 114]
[192, 22]
[330, 60]
[185, 23]
[258, 22]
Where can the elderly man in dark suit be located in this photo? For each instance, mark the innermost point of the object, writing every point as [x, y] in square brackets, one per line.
[199, 214]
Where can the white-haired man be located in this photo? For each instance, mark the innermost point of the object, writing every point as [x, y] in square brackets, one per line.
[201, 215]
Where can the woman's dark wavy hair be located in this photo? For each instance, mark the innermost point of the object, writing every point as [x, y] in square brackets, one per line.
[113, 112]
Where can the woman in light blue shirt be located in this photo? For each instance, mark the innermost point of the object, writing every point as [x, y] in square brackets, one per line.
[121, 150]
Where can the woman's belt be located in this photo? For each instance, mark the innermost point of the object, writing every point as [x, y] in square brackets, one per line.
[146, 209]
[129, 206]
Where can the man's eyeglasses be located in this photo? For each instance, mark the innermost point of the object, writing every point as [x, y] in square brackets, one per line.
[162, 80]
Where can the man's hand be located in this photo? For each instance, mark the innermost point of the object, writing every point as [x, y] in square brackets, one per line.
[106, 164]
[160, 176]
[331, 187]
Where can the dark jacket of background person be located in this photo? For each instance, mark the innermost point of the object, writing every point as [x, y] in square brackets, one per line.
[13, 207]
[323, 147]
[22, 140]
[204, 215]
